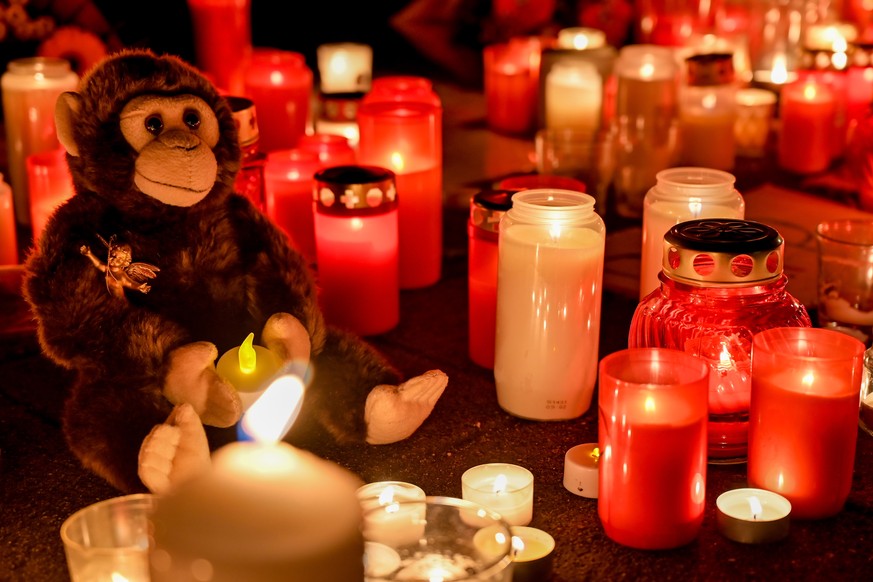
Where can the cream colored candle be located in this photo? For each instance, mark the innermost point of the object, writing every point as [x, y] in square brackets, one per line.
[394, 512]
[549, 287]
[501, 487]
[574, 95]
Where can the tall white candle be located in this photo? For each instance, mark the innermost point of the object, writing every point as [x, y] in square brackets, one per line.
[549, 279]
[574, 95]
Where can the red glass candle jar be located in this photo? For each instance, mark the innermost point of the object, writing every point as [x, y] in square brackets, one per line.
[722, 282]
[486, 210]
[280, 84]
[222, 40]
[356, 236]
[332, 149]
[402, 88]
[512, 73]
[406, 138]
[289, 180]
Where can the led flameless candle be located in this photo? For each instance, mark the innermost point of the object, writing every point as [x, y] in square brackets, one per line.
[50, 185]
[511, 82]
[808, 455]
[406, 138]
[280, 84]
[549, 289]
[289, 177]
[753, 516]
[356, 243]
[532, 554]
[222, 40]
[652, 437]
[249, 368]
[390, 516]
[582, 470]
[501, 487]
[266, 511]
[806, 110]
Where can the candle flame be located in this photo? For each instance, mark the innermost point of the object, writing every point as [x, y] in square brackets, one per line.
[517, 545]
[755, 507]
[725, 361]
[271, 415]
[809, 91]
[779, 72]
[397, 161]
[500, 483]
[647, 70]
[595, 454]
[386, 496]
[248, 358]
[116, 577]
[808, 379]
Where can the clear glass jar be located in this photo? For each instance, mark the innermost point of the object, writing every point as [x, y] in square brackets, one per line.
[722, 282]
[549, 287]
[708, 111]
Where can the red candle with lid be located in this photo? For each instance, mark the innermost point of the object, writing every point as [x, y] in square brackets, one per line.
[356, 234]
[280, 84]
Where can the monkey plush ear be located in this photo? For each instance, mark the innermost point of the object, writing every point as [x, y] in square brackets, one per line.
[67, 109]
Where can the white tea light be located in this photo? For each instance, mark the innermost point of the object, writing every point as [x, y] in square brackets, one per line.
[501, 487]
[582, 470]
[753, 516]
[532, 554]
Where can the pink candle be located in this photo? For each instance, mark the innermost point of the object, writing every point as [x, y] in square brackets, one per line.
[280, 84]
[332, 149]
[807, 109]
[8, 236]
[653, 408]
[49, 185]
[222, 40]
[357, 248]
[289, 180]
[511, 84]
[803, 419]
[407, 139]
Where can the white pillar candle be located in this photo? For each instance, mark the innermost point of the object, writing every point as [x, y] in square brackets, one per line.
[501, 487]
[574, 95]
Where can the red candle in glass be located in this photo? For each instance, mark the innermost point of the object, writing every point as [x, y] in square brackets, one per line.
[803, 419]
[49, 185]
[807, 109]
[8, 234]
[402, 88]
[406, 138]
[486, 209]
[652, 439]
[838, 83]
[222, 40]
[332, 149]
[356, 230]
[280, 84]
[512, 72]
[289, 182]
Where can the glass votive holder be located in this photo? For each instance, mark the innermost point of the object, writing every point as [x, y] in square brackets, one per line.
[501, 487]
[332, 149]
[109, 540]
[448, 540]
[755, 108]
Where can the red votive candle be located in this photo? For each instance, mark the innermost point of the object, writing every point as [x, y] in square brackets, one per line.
[222, 40]
[486, 209]
[652, 438]
[803, 418]
[289, 181]
[807, 109]
[406, 138]
[332, 149]
[356, 232]
[280, 84]
[512, 71]
[49, 185]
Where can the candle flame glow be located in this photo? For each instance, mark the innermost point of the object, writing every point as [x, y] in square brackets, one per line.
[779, 72]
[248, 358]
[809, 91]
[271, 415]
[725, 361]
[650, 404]
[755, 507]
[808, 379]
[116, 577]
[517, 545]
[397, 162]
[647, 70]
[500, 483]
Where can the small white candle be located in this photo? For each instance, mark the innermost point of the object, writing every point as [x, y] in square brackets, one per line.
[501, 487]
[394, 512]
[753, 515]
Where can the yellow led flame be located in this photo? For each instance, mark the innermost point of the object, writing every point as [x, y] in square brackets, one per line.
[248, 358]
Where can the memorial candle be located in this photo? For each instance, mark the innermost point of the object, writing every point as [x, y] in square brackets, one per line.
[574, 95]
[511, 81]
[289, 179]
[8, 236]
[222, 40]
[803, 417]
[332, 149]
[49, 185]
[807, 110]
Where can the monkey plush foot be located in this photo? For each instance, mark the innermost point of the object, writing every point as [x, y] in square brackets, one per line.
[192, 379]
[284, 335]
[174, 451]
[393, 413]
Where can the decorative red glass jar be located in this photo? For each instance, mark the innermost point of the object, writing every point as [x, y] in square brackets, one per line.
[722, 282]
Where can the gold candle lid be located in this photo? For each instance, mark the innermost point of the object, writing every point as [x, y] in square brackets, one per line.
[488, 207]
[246, 119]
[354, 190]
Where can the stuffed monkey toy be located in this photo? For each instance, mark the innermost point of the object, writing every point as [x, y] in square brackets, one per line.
[156, 266]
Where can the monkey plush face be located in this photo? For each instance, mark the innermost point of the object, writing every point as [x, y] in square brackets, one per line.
[148, 133]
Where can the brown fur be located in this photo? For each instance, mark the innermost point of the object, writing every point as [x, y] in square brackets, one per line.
[224, 269]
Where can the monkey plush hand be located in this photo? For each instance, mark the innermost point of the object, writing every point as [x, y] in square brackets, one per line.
[155, 267]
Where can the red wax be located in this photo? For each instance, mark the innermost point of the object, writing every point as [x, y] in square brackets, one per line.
[49, 184]
[358, 271]
[289, 182]
[807, 112]
[652, 438]
[859, 93]
[280, 84]
[803, 420]
[838, 83]
[511, 84]
[222, 40]
[530, 181]
[332, 149]
[406, 138]
[482, 295]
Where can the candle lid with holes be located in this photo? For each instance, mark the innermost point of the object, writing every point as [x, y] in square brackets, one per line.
[244, 115]
[355, 190]
[723, 251]
[487, 208]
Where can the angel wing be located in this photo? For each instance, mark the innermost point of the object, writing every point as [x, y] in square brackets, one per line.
[141, 272]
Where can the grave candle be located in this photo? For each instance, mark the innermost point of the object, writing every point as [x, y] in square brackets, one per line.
[501, 487]
[345, 67]
[8, 236]
[511, 81]
[332, 149]
[289, 179]
[49, 185]
[574, 95]
[222, 40]
[807, 112]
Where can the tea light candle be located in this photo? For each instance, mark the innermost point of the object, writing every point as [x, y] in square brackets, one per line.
[532, 554]
[345, 67]
[501, 487]
[248, 368]
[265, 511]
[753, 516]
[394, 512]
[807, 110]
[582, 470]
